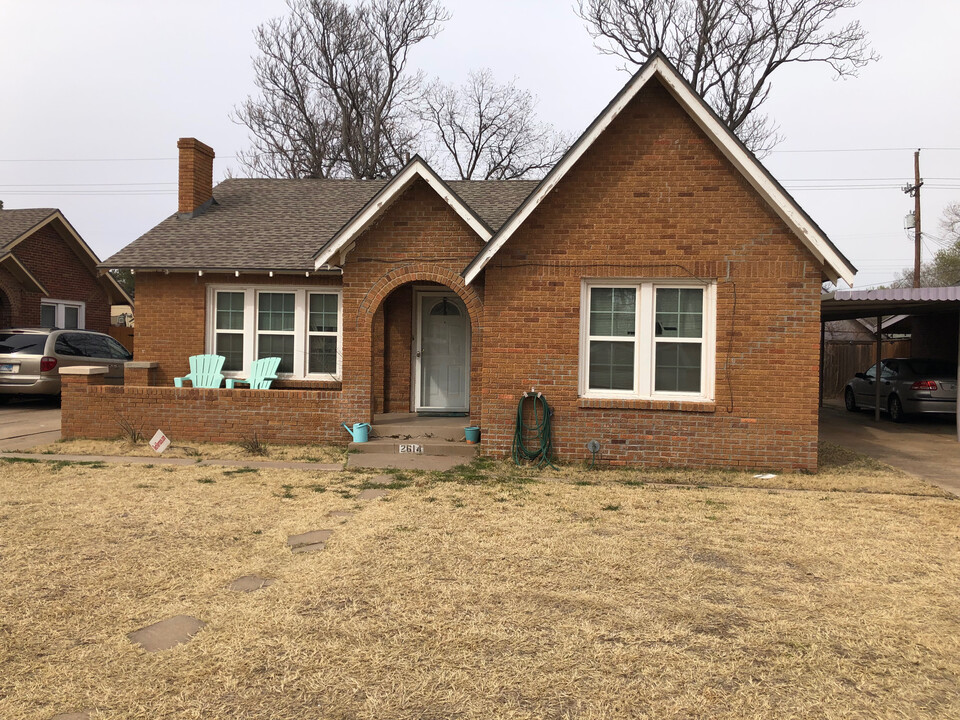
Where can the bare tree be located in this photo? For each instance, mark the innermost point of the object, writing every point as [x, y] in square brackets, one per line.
[336, 96]
[488, 131]
[729, 49]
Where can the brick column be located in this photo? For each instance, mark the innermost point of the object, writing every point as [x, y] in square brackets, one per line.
[140, 373]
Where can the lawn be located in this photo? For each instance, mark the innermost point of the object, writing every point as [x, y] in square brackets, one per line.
[478, 594]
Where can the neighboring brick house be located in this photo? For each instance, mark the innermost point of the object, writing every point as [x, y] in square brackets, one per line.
[49, 276]
[658, 286]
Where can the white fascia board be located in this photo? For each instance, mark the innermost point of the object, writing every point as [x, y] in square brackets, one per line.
[748, 166]
[385, 198]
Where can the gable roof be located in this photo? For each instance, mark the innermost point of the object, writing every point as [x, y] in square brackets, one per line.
[17, 225]
[275, 224]
[835, 265]
[388, 194]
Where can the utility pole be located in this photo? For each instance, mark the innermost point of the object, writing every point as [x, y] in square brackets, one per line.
[914, 192]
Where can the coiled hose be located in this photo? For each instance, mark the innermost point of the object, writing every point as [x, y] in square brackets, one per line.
[540, 430]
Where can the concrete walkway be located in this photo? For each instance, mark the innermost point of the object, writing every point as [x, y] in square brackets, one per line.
[160, 460]
[925, 446]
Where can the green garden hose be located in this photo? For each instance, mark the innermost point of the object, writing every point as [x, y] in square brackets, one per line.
[540, 429]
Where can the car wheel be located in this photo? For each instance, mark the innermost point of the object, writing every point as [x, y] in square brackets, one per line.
[850, 400]
[895, 408]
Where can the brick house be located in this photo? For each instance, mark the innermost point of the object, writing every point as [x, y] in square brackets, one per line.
[658, 286]
[49, 275]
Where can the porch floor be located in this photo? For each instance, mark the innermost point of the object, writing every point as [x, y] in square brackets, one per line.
[410, 426]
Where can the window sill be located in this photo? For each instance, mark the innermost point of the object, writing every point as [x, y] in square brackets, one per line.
[699, 406]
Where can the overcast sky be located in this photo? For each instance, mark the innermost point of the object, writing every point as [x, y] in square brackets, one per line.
[96, 93]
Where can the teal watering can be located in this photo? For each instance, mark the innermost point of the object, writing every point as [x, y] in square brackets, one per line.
[360, 431]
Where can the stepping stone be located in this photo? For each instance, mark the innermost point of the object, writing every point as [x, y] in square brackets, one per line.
[167, 633]
[309, 541]
[382, 480]
[372, 494]
[340, 514]
[82, 715]
[249, 583]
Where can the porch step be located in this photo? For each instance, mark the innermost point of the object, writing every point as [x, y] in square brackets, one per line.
[405, 461]
[414, 446]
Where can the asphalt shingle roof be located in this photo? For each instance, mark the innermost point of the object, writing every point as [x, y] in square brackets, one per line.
[262, 224]
[14, 223]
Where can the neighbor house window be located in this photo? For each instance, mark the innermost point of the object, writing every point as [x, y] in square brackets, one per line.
[300, 326]
[647, 339]
[66, 314]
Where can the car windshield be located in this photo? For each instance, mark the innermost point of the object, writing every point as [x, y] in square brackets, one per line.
[933, 368]
[22, 344]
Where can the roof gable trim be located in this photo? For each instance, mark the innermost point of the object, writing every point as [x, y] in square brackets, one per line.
[117, 292]
[835, 265]
[18, 270]
[368, 214]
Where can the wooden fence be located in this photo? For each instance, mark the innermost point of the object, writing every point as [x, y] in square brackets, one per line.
[842, 359]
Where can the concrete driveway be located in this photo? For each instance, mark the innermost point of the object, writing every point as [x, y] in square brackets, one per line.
[27, 423]
[925, 446]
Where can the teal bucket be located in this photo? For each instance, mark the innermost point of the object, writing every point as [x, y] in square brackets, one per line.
[472, 434]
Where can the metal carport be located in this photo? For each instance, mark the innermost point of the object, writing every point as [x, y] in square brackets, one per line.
[939, 306]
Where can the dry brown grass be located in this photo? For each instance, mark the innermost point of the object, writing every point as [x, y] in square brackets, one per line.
[840, 470]
[488, 600]
[206, 451]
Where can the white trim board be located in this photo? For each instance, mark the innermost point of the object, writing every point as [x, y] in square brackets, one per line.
[416, 168]
[835, 265]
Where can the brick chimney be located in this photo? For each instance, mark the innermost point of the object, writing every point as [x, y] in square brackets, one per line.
[196, 175]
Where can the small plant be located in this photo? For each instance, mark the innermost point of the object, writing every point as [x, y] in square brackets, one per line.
[131, 432]
[189, 451]
[611, 508]
[206, 481]
[287, 493]
[317, 488]
[254, 446]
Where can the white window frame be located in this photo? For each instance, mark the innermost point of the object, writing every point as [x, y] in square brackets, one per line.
[300, 333]
[61, 305]
[645, 340]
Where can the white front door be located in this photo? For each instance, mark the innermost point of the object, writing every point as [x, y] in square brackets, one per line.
[441, 353]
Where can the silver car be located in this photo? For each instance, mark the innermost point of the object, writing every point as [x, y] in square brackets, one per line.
[907, 386]
[31, 358]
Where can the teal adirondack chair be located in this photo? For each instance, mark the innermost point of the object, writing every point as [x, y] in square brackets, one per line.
[204, 371]
[263, 372]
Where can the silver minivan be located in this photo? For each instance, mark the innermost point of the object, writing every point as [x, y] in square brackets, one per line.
[31, 358]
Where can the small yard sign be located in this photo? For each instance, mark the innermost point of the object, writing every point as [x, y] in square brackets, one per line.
[160, 442]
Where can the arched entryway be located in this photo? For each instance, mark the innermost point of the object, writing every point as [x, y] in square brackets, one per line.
[422, 352]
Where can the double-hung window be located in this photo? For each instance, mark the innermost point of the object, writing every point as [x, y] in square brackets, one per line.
[301, 326]
[647, 340]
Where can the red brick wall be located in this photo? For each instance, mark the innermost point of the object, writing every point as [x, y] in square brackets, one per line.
[653, 198]
[66, 277]
[398, 341]
[294, 417]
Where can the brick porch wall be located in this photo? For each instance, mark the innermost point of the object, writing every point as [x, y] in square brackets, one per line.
[293, 417]
[654, 199]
